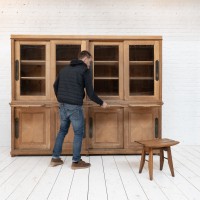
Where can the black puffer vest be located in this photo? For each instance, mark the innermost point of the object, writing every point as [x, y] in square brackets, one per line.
[71, 81]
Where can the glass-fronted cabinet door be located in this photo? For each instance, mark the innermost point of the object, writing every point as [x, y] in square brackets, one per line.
[62, 52]
[32, 70]
[107, 69]
[142, 69]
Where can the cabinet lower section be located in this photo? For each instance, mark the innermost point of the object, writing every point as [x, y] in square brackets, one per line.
[107, 131]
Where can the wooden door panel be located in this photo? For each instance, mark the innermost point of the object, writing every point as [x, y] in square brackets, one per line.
[108, 126]
[141, 125]
[33, 128]
[107, 130]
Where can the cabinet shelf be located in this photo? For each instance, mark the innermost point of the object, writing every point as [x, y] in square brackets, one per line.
[33, 62]
[62, 62]
[141, 78]
[110, 94]
[106, 78]
[141, 93]
[33, 78]
[141, 62]
[106, 62]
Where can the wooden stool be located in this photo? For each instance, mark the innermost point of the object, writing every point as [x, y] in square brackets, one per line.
[157, 144]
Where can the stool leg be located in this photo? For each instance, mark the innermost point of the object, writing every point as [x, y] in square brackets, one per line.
[142, 160]
[151, 163]
[161, 158]
[169, 155]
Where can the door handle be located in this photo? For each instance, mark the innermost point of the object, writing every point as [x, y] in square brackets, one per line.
[16, 70]
[157, 70]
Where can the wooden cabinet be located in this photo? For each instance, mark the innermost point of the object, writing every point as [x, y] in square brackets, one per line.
[127, 74]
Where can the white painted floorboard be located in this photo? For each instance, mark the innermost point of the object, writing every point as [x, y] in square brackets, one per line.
[112, 177]
[97, 183]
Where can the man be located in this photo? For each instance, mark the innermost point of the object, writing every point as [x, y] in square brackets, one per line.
[69, 90]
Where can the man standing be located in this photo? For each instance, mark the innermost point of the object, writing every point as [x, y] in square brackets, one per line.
[69, 90]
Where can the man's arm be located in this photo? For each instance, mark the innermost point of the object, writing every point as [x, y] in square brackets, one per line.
[89, 88]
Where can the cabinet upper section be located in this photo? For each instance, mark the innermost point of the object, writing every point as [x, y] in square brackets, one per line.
[124, 68]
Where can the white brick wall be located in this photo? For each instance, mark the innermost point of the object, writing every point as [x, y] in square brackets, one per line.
[177, 21]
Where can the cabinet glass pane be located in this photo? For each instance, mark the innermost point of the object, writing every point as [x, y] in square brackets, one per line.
[67, 52]
[106, 71]
[141, 53]
[141, 70]
[32, 87]
[32, 52]
[32, 70]
[106, 53]
[106, 87]
[64, 54]
[58, 68]
[141, 87]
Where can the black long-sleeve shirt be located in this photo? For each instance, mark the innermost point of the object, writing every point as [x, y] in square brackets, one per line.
[71, 81]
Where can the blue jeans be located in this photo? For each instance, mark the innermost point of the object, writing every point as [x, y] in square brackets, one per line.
[70, 114]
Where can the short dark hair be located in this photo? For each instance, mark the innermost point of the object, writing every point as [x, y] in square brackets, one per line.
[83, 54]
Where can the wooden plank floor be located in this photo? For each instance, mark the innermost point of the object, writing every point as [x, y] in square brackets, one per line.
[110, 177]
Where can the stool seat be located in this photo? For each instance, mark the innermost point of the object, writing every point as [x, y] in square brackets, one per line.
[156, 144]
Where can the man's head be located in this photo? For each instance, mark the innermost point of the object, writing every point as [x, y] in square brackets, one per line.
[86, 57]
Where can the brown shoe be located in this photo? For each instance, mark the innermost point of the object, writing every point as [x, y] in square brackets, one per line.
[80, 165]
[56, 161]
